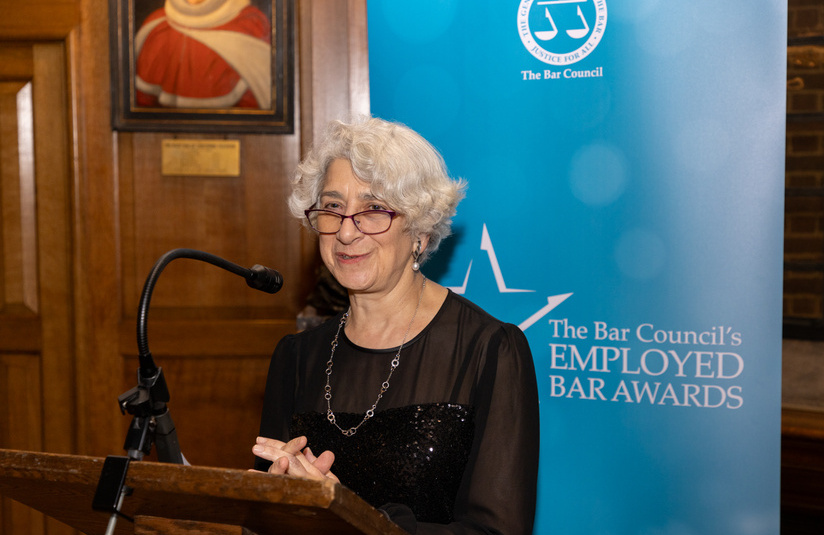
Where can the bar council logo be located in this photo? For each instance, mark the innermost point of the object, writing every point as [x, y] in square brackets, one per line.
[561, 32]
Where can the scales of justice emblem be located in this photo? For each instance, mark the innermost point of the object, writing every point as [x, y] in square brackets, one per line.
[558, 35]
[575, 33]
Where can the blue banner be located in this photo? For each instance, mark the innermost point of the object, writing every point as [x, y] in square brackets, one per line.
[625, 163]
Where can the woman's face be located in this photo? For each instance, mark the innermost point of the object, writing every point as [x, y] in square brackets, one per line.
[362, 262]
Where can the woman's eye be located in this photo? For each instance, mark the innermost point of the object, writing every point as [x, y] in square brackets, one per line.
[331, 206]
[377, 207]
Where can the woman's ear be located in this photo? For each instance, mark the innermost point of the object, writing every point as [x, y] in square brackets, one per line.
[422, 243]
[417, 251]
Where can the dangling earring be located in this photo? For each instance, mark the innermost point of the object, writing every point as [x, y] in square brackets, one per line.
[416, 266]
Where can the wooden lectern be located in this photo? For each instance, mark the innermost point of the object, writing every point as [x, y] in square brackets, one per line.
[174, 499]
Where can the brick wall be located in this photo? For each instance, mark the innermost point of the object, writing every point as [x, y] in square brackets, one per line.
[804, 209]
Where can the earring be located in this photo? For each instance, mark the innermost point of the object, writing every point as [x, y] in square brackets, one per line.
[416, 266]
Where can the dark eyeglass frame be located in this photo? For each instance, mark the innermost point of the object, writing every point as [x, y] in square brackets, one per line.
[309, 212]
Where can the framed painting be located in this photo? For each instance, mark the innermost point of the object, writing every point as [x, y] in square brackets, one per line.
[202, 65]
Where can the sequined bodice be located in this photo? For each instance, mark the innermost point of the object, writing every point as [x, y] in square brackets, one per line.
[411, 455]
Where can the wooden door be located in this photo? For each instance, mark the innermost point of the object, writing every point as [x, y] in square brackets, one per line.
[36, 308]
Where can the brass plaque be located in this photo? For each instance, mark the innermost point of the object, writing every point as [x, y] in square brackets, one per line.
[200, 157]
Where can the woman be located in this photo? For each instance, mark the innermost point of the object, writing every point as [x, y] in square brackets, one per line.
[422, 403]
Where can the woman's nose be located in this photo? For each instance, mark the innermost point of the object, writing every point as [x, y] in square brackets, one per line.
[348, 230]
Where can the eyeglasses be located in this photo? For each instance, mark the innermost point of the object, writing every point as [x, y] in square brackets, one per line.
[367, 222]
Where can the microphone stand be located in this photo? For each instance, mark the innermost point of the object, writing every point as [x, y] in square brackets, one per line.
[146, 402]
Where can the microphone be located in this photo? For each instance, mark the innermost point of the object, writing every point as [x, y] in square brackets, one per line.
[147, 401]
[264, 279]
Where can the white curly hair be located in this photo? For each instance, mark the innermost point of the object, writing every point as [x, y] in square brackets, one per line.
[401, 167]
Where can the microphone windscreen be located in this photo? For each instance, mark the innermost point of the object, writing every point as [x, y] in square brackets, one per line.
[264, 279]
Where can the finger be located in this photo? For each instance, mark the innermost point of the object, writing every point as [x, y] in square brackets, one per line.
[269, 442]
[268, 448]
[307, 452]
[263, 444]
[322, 463]
[295, 445]
[264, 452]
[279, 466]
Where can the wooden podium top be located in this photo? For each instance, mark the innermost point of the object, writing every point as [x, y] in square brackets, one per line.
[63, 486]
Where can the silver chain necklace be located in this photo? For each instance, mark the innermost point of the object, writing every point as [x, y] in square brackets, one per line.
[330, 414]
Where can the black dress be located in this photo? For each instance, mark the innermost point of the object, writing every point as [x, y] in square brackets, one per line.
[453, 444]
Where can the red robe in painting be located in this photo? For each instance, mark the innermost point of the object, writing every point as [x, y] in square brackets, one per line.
[185, 57]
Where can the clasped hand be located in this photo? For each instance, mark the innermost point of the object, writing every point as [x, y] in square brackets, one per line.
[295, 459]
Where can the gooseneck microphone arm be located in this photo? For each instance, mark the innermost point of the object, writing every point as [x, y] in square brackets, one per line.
[147, 401]
[258, 277]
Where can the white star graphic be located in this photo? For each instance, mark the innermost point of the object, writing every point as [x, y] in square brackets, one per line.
[486, 245]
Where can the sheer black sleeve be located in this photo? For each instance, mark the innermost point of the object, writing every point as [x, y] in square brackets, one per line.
[279, 399]
[499, 486]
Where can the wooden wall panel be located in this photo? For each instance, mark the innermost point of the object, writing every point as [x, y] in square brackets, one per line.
[96, 259]
[20, 428]
[21, 405]
[38, 19]
[242, 219]
[17, 61]
[334, 58]
[54, 245]
[18, 284]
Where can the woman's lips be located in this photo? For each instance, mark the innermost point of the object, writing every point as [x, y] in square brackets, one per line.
[349, 258]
